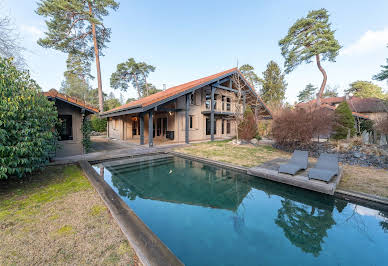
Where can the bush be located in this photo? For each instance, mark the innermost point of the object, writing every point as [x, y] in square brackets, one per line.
[27, 123]
[344, 122]
[86, 131]
[98, 124]
[382, 125]
[247, 129]
[293, 127]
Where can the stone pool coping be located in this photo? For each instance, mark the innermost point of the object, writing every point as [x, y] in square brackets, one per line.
[148, 247]
[368, 200]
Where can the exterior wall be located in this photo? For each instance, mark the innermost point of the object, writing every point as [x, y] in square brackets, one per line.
[121, 127]
[74, 146]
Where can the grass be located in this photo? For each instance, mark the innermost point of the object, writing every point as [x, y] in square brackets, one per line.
[368, 180]
[58, 218]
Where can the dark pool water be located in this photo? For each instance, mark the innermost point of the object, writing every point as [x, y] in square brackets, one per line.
[211, 216]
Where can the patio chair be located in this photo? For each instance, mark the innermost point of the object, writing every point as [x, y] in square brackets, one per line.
[326, 168]
[298, 161]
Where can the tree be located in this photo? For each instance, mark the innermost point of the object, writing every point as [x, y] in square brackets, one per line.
[111, 102]
[132, 72]
[308, 93]
[310, 37]
[130, 100]
[383, 75]
[151, 89]
[344, 122]
[76, 82]
[248, 127]
[9, 43]
[365, 89]
[77, 26]
[27, 123]
[330, 92]
[274, 85]
[249, 73]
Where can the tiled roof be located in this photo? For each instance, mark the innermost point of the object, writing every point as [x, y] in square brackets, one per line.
[353, 113]
[162, 95]
[55, 94]
[356, 104]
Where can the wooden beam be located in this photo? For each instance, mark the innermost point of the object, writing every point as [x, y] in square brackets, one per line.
[141, 115]
[187, 118]
[224, 88]
[212, 114]
[150, 128]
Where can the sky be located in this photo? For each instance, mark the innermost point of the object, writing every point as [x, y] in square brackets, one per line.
[187, 40]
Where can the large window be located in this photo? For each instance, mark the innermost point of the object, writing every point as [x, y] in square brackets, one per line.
[228, 104]
[135, 128]
[192, 99]
[223, 103]
[222, 126]
[191, 122]
[208, 126]
[207, 100]
[227, 126]
[66, 129]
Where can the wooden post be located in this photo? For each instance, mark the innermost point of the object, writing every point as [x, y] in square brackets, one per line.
[150, 129]
[212, 115]
[141, 115]
[187, 118]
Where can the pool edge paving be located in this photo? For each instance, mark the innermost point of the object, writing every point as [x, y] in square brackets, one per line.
[148, 247]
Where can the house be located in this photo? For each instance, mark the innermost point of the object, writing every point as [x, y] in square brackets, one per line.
[202, 109]
[364, 108]
[71, 112]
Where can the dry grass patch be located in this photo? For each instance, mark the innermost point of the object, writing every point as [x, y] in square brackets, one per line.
[58, 218]
[224, 151]
[368, 180]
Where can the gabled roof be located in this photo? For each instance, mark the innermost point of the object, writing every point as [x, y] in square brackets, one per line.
[54, 94]
[356, 104]
[353, 113]
[162, 97]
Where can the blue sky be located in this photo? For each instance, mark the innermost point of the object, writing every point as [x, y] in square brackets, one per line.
[187, 40]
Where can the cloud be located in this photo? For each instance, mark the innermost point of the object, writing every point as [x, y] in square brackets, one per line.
[369, 41]
[33, 31]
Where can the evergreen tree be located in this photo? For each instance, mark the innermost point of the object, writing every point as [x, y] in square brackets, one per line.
[133, 72]
[308, 93]
[274, 85]
[77, 26]
[310, 37]
[383, 75]
[330, 92]
[344, 122]
[365, 89]
[249, 73]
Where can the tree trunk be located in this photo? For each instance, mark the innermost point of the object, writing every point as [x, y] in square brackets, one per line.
[323, 85]
[137, 86]
[96, 53]
[146, 85]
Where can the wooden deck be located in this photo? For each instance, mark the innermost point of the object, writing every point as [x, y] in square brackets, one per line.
[269, 170]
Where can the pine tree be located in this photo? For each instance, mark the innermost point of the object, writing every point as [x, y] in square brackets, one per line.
[308, 93]
[76, 26]
[383, 75]
[249, 73]
[344, 122]
[365, 89]
[310, 37]
[274, 85]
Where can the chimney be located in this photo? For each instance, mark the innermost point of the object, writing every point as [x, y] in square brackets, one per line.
[164, 87]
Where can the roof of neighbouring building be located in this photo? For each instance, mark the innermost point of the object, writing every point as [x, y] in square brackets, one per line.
[356, 104]
[353, 113]
[72, 100]
[177, 90]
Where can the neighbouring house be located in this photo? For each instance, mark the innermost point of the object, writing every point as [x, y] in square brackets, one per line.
[198, 110]
[71, 113]
[366, 108]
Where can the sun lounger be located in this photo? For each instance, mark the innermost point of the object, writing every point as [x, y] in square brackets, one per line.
[298, 161]
[326, 168]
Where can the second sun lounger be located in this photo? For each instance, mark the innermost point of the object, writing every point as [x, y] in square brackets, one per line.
[298, 161]
[326, 168]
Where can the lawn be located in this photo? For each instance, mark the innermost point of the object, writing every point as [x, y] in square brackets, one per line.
[368, 180]
[58, 218]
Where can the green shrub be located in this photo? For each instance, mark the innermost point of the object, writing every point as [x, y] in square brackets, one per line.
[98, 124]
[86, 131]
[344, 122]
[27, 123]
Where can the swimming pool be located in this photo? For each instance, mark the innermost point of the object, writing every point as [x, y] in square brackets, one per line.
[212, 216]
